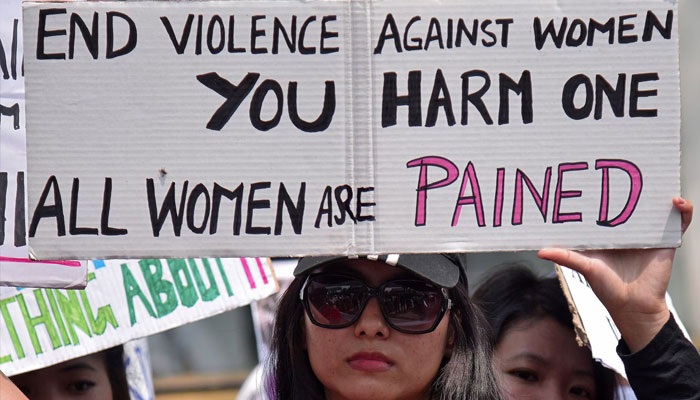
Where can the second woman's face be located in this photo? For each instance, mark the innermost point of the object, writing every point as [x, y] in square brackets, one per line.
[539, 359]
[369, 359]
[81, 378]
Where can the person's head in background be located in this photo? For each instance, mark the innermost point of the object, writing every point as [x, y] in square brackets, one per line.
[99, 376]
[401, 327]
[535, 351]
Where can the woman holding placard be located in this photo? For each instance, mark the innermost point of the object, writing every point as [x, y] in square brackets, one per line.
[395, 327]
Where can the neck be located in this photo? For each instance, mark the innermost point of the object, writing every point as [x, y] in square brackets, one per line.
[332, 395]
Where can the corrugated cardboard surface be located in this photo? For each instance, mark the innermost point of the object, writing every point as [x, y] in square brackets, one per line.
[143, 115]
[15, 267]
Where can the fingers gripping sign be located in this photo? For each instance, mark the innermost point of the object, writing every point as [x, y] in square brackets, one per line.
[631, 283]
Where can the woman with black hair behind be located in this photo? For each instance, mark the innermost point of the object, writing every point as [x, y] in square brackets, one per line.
[98, 376]
[535, 350]
[398, 327]
[535, 354]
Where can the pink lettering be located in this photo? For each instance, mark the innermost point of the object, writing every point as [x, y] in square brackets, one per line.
[559, 217]
[423, 185]
[498, 201]
[475, 199]
[541, 201]
[26, 260]
[251, 281]
[635, 176]
[261, 270]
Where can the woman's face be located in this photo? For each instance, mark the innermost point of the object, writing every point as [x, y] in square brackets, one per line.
[84, 378]
[369, 359]
[538, 358]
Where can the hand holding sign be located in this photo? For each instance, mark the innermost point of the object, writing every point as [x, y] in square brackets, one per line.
[631, 283]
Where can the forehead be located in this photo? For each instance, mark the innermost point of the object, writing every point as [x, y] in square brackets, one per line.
[544, 341]
[372, 272]
[92, 363]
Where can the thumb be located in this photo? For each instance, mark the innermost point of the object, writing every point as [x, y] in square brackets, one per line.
[571, 259]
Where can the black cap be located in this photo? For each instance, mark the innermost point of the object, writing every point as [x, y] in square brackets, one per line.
[441, 269]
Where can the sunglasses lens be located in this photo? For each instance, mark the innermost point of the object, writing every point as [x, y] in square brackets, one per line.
[335, 301]
[412, 306]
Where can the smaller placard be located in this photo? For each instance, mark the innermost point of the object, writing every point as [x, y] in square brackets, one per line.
[124, 300]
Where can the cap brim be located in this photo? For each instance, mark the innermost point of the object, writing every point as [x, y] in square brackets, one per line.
[442, 270]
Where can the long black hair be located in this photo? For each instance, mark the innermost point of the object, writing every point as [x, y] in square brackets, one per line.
[515, 294]
[465, 375]
[116, 371]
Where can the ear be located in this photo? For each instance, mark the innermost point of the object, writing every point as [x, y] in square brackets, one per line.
[449, 346]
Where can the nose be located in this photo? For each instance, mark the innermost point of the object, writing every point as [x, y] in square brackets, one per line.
[552, 392]
[44, 392]
[371, 323]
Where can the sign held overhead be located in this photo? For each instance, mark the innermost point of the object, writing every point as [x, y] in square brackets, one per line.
[343, 127]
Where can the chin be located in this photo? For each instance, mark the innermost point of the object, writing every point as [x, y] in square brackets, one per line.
[372, 390]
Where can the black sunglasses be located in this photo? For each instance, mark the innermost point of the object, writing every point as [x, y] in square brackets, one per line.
[336, 301]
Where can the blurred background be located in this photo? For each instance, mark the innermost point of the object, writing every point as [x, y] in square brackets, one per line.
[226, 352]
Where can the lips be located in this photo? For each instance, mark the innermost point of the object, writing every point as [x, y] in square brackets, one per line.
[370, 362]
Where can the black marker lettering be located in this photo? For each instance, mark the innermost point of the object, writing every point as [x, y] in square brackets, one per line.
[131, 40]
[20, 228]
[105, 229]
[234, 95]
[391, 100]
[90, 36]
[182, 44]
[3, 202]
[73, 228]
[42, 34]
[256, 205]
[46, 211]
[327, 201]
[236, 195]
[344, 204]
[324, 120]
[295, 211]
[168, 207]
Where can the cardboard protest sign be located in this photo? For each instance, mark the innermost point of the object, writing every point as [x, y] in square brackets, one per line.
[15, 266]
[593, 324]
[123, 301]
[344, 127]
[263, 311]
[137, 361]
